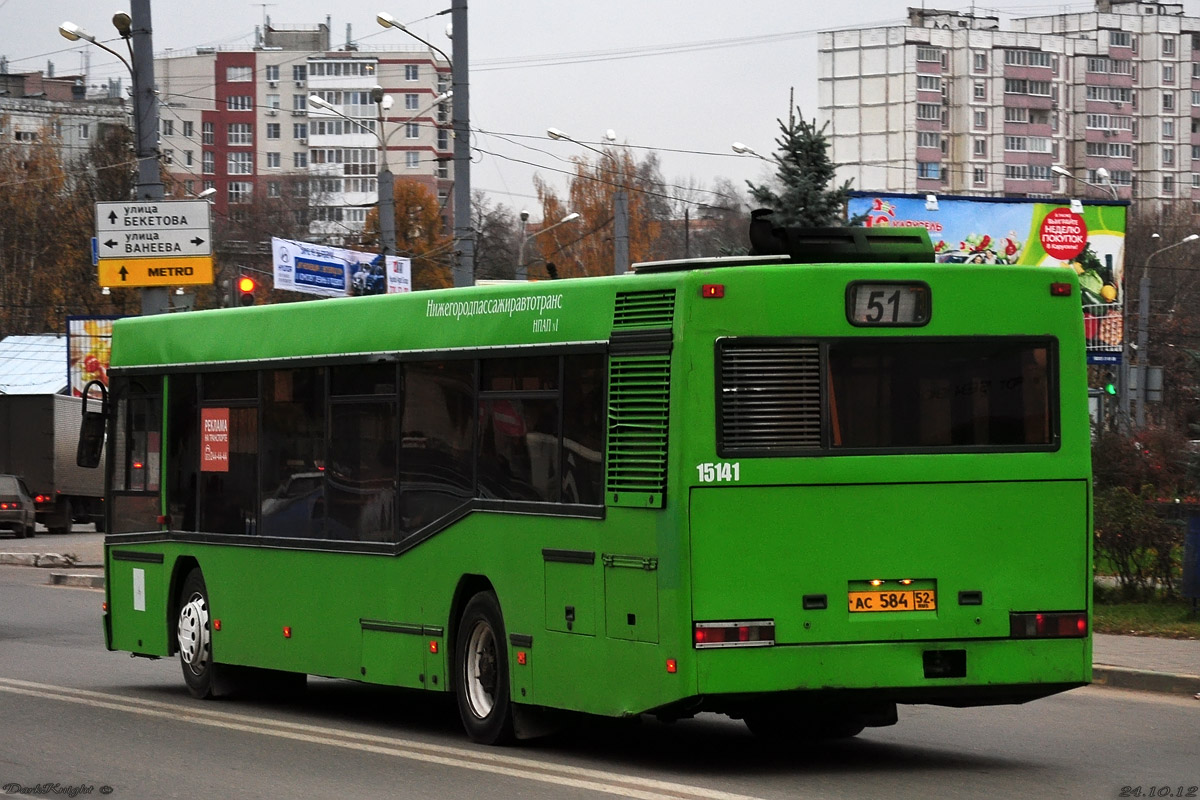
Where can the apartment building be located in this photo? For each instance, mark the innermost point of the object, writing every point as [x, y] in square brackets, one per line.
[952, 103]
[35, 107]
[239, 121]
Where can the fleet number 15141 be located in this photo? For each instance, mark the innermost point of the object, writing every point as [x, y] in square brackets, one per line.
[720, 472]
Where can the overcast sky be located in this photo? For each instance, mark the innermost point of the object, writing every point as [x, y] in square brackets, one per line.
[683, 77]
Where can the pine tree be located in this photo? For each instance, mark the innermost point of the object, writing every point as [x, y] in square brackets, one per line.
[799, 195]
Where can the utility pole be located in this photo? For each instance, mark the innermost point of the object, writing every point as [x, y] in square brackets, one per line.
[145, 119]
[464, 236]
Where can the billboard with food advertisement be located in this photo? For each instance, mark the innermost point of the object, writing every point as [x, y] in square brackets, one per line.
[89, 348]
[1088, 237]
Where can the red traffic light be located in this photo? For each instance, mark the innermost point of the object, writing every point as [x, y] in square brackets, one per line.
[245, 286]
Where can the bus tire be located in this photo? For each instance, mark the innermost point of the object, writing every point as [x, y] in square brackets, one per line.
[194, 634]
[481, 672]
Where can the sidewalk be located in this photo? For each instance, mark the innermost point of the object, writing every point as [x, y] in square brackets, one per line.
[1141, 663]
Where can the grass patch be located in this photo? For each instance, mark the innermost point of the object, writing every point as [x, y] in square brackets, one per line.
[1171, 619]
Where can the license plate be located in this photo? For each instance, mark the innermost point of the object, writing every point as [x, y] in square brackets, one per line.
[892, 600]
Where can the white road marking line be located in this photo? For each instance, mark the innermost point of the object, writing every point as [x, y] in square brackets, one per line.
[495, 763]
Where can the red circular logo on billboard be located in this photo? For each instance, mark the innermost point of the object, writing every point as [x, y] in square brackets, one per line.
[1063, 234]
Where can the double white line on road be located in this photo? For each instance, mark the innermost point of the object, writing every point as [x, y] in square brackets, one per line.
[481, 761]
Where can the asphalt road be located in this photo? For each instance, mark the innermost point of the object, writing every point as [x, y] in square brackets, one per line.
[73, 715]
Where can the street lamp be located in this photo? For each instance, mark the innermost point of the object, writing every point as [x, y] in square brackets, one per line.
[743, 150]
[135, 29]
[1101, 173]
[1144, 323]
[525, 239]
[620, 201]
[385, 181]
[464, 235]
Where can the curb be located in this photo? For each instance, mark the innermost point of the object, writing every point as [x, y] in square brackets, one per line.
[40, 560]
[1145, 681]
[77, 579]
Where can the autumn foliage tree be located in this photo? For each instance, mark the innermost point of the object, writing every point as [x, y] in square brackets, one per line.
[420, 234]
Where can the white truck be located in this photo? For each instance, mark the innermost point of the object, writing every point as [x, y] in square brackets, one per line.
[39, 435]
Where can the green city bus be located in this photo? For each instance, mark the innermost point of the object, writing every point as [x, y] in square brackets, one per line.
[797, 488]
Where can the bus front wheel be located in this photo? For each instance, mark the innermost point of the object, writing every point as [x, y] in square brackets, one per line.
[194, 636]
[481, 672]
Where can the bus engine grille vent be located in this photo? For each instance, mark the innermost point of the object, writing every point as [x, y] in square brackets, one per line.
[770, 399]
[638, 402]
[655, 309]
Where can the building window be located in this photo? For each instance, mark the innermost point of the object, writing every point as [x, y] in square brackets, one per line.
[1168, 101]
[240, 133]
[1168, 129]
[1168, 73]
[273, 161]
[168, 127]
[240, 191]
[1168, 188]
[239, 74]
[208, 163]
[980, 147]
[272, 130]
[929, 111]
[1168, 45]
[273, 101]
[299, 160]
[299, 72]
[412, 102]
[1026, 58]
[412, 159]
[412, 72]
[412, 130]
[1016, 172]
[273, 189]
[929, 139]
[443, 139]
[1168, 156]
[300, 131]
[931, 83]
[189, 129]
[1120, 39]
[1039, 173]
[979, 90]
[208, 134]
[187, 158]
[980, 119]
[1015, 144]
[929, 54]
[980, 174]
[979, 62]
[85, 130]
[241, 102]
[271, 72]
[1016, 114]
[240, 163]
[929, 169]
[299, 102]
[189, 187]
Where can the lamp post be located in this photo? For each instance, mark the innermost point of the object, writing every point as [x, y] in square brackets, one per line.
[620, 201]
[464, 235]
[386, 183]
[525, 239]
[1144, 324]
[135, 29]
[743, 150]
[1101, 173]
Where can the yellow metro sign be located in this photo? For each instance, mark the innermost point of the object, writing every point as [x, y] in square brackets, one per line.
[178, 271]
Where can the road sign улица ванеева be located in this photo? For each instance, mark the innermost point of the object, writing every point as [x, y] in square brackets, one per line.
[154, 243]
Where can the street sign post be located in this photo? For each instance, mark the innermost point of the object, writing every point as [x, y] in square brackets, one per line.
[154, 243]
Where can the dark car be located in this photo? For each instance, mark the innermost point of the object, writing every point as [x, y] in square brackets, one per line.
[16, 507]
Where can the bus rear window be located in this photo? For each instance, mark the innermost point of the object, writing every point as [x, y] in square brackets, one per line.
[950, 394]
[789, 397]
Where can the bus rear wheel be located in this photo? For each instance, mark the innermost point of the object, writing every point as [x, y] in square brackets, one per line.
[481, 672]
[194, 636]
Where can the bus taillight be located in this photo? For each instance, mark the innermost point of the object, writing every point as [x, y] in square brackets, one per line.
[747, 633]
[1048, 624]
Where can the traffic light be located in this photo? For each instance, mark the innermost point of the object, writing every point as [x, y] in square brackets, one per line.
[1110, 383]
[245, 287]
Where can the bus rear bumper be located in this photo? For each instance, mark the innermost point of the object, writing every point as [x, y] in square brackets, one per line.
[951, 673]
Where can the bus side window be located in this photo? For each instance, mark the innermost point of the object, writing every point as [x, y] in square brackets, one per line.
[583, 429]
[437, 435]
[138, 455]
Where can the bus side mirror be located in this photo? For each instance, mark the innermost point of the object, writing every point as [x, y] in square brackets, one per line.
[91, 430]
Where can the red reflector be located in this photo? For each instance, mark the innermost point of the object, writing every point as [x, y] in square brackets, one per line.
[287, 631]
[433, 647]
[104, 607]
[752, 633]
[216, 624]
[672, 666]
[522, 658]
[1060, 290]
[712, 290]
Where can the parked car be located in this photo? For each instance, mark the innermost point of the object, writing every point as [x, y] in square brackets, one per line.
[16, 507]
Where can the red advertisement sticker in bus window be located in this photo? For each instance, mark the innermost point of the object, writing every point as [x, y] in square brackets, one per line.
[214, 440]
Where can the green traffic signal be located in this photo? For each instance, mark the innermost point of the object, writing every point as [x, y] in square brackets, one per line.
[1110, 385]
